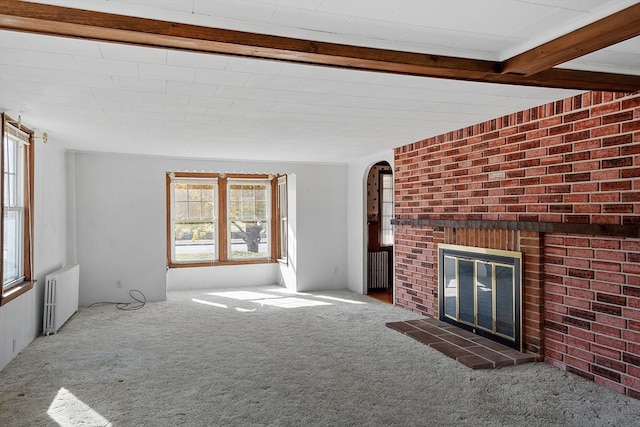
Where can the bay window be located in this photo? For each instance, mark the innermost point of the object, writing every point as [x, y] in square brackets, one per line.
[218, 219]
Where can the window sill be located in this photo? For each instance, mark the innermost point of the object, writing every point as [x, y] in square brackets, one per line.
[221, 263]
[15, 291]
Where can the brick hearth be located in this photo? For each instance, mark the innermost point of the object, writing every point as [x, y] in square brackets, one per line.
[467, 348]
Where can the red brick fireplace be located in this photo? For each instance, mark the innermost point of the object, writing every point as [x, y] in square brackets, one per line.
[559, 183]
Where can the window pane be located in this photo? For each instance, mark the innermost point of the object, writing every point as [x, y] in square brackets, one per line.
[194, 216]
[180, 194]
[195, 193]
[13, 169]
[207, 211]
[386, 208]
[180, 211]
[247, 210]
[194, 242]
[195, 210]
[12, 257]
[249, 240]
[248, 220]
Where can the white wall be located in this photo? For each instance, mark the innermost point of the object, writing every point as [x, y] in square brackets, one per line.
[21, 319]
[223, 276]
[357, 217]
[121, 225]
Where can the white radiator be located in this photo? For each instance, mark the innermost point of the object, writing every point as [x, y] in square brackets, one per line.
[377, 271]
[60, 298]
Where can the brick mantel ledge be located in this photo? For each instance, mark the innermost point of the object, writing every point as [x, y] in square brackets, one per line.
[618, 230]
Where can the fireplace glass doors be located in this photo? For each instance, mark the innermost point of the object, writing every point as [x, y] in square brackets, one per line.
[480, 291]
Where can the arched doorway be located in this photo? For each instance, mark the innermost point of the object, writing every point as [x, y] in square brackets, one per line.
[380, 232]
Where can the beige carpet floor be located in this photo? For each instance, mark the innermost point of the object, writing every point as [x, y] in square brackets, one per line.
[264, 357]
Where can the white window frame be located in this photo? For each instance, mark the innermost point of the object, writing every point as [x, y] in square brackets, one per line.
[209, 181]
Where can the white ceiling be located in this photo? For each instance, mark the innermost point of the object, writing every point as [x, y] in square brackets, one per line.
[93, 96]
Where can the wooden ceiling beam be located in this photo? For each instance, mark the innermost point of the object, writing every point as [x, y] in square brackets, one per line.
[105, 27]
[608, 31]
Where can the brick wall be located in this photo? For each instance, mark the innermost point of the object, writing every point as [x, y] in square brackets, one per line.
[592, 309]
[573, 161]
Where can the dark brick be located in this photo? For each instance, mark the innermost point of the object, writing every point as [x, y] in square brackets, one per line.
[583, 274]
[616, 118]
[617, 140]
[530, 181]
[579, 372]
[563, 189]
[583, 324]
[516, 156]
[616, 365]
[578, 219]
[631, 358]
[576, 116]
[630, 173]
[616, 186]
[559, 149]
[556, 326]
[611, 299]
[560, 168]
[575, 312]
[630, 149]
[529, 163]
[631, 197]
[560, 129]
[632, 291]
[551, 198]
[603, 372]
[634, 220]
[577, 157]
[577, 136]
[577, 177]
[607, 309]
[617, 163]
[618, 208]
[514, 191]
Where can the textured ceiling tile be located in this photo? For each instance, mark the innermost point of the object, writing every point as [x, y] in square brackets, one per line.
[166, 72]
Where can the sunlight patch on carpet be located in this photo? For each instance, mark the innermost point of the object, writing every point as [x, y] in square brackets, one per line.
[348, 301]
[214, 304]
[291, 302]
[67, 410]
[243, 295]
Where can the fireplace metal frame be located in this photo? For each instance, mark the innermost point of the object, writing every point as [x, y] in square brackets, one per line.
[495, 257]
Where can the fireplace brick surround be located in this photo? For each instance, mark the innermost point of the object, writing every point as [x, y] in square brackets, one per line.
[559, 183]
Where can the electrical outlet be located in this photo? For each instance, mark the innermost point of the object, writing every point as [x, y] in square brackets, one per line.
[118, 283]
